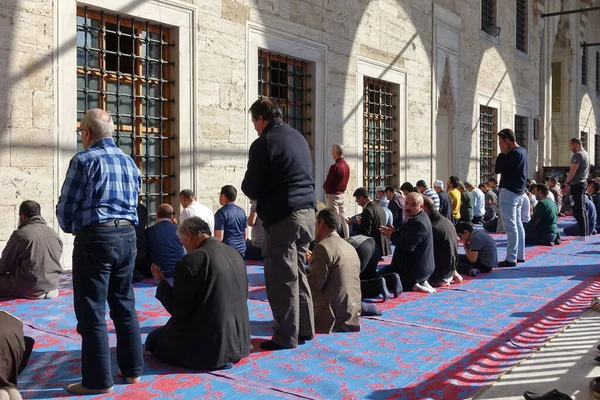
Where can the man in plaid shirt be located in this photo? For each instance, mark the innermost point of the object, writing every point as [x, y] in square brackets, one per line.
[98, 205]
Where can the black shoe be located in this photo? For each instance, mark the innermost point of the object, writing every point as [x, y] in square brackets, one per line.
[551, 395]
[271, 345]
[506, 264]
[520, 260]
[393, 283]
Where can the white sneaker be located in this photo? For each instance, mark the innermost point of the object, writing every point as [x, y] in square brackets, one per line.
[422, 288]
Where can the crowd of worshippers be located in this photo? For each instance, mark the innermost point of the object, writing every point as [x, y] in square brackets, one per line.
[319, 267]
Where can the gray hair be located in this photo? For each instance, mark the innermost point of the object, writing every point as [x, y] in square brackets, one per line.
[194, 225]
[99, 122]
[338, 148]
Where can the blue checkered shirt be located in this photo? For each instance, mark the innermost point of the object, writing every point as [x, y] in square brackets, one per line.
[102, 185]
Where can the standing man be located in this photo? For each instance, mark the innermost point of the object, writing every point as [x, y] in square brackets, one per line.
[445, 202]
[467, 209]
[512, 164]
[98, 205]
[279, 178]
[336, 183]
[577, 182]
[478, 203]
[192, 208]
[455, 197]
[429, 192]
[230, 221]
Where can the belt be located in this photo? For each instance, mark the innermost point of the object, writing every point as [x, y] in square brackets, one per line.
[115, 223]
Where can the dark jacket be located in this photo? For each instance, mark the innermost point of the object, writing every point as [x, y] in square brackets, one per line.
[413, 256]
[209, 326]
[32, 255]
[596, 200]
[396, 206]
[466, 206]
[164, 246]
[280, 173]
[513, 167]
[445, 247]
[372, 218]
[445, 205]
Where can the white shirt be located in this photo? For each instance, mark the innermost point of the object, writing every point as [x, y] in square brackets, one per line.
[196, 209]
[479, 200]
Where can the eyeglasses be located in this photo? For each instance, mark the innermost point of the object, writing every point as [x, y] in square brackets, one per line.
[79, 131]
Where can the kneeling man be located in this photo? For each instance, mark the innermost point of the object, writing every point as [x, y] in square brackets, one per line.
[333, 276]
[209, 327]
[30, 264]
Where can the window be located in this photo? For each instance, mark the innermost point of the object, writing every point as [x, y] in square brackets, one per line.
[522, 25]
[488, 117]
[288, 81]
[521, 133]
[124, 67]
[584, 61]
[584, 140]
[598, 73]
[597, 150]
[379, 119]
[488, 14]
[536, 129]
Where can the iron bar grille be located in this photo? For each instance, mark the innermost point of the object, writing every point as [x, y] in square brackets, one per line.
[488, 13]
[584, 140]
[536, 129]
[521, 130]
[487, 142]
[288, 81]
[379, 115]
[598, 73]
[597, 150]
[522, 25]
[124, 67]
[584, 62]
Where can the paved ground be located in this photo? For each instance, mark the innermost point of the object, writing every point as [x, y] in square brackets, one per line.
[565, 363]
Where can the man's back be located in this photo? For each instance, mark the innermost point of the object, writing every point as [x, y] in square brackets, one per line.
[33, 255]
[429, 192]
[485, 245]
[445, 247]
[195, 209]
[231, 219]
[445, 204]
[208, 305]
[335, 284]
[164, 246]
[478, 202]
[372, 217]
[466, 206]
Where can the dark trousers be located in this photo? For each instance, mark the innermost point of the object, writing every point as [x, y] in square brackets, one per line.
[464, 265]
[253, 252]
[579, 207]
[284, 251]
[369, 255]
[103, 261]
[537, 238]
[477, 220]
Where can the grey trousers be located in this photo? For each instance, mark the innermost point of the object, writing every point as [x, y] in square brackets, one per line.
[284, 251]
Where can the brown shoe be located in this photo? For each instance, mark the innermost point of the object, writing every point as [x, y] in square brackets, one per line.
[79, 389]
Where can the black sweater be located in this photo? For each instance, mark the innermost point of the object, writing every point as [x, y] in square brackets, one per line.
[513, 167]
[279, 175]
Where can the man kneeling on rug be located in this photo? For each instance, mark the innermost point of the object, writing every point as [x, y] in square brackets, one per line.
[30, 264]
[209, 327]
[480, 248]
[333, 276]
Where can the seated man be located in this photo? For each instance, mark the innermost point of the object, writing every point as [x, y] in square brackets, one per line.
[209, 327]
[543, 228]
[555, 188]
[333, 276]
[467, 210]
[369, 221]
[491, 203]
[257, 234]
[445, 247]
[382, 199]
[573, 229]
[230, 221]
[396, 205]
[478, 203]
[192, 208]
[413, 257]
[592, 190]
[480, 248]
[164, 246]
[15, 349]
[30, 264]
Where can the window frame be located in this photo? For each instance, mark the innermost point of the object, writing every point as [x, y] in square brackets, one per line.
[584, 65]
[525, 25]
[493, 150]
[493, 18]
[521, 130]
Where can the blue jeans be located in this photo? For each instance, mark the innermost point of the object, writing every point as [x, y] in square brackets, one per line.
[510, 212]
[103, 261]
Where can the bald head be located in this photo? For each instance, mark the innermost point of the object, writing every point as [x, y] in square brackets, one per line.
[164, 211]
[413, 204]
[428, 205]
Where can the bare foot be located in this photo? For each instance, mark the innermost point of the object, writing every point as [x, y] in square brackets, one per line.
[457, 279]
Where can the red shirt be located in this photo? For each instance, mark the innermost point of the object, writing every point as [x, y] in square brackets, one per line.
[337, 178]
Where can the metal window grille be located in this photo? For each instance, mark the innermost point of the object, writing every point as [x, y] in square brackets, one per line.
[536, 129]
[584, 62]
[598, 73]
[124, 67]
[597, 150]
[379, 115]
[487, 142]
[488, 13]
[288, 81]
[584, 139]
[522, 25]
[521, 130]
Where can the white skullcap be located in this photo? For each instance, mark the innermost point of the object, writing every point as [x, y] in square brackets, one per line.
[439, 184]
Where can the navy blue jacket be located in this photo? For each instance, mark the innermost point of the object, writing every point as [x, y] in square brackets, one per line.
[280, 174]
[513, 167]
[163, 246]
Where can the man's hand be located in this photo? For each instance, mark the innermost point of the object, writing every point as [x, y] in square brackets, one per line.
[308, 256]
[386, 231]
[157, 273]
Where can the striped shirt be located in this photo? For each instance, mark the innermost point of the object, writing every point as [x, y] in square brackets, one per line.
[102, 185]
[429, 192]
